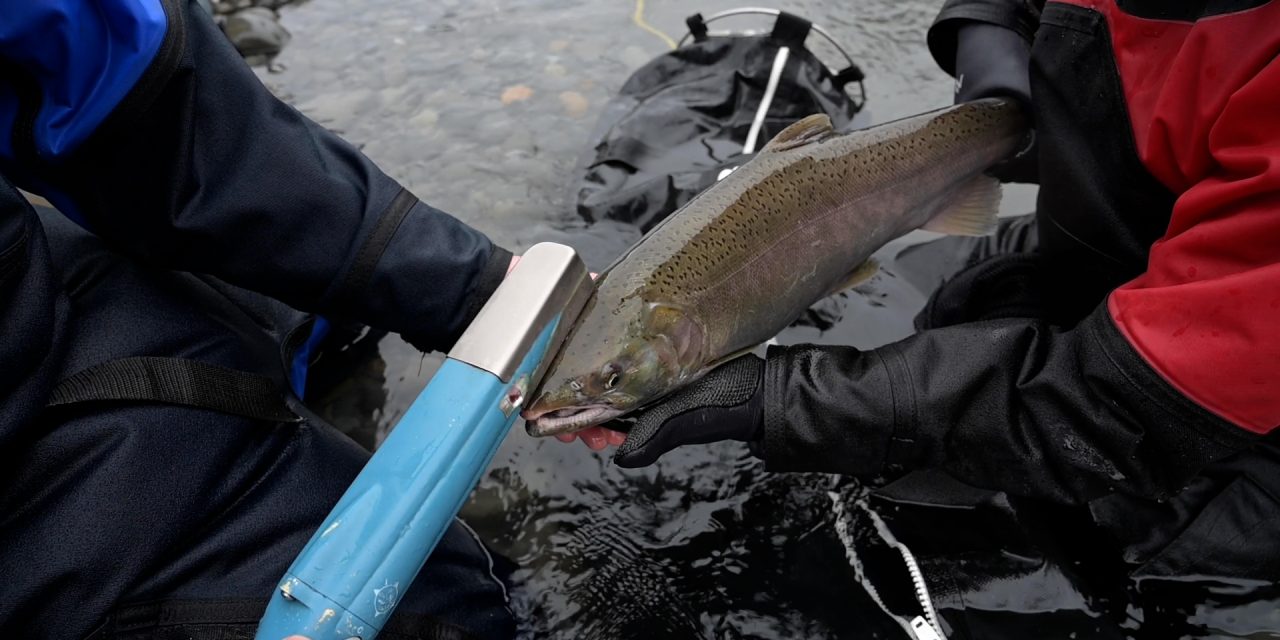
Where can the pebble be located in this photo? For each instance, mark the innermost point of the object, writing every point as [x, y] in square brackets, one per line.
[445, 96]
[558, 45]
[255, 32]
[426, 119]
[516, 93]
[337, 106]
[503, 207]
[519, 139]
[393, 94]
[555, 69]
[575, 103]
[635, 57]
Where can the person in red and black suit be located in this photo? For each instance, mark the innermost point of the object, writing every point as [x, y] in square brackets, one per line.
[1126, 367]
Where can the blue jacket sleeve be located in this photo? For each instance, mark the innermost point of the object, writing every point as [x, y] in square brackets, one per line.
[139, 120]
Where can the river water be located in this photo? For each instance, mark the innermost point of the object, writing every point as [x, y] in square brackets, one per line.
[482, 109]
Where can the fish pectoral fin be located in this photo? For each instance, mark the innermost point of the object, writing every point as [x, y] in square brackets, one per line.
[973, 210]
[859, 275]
[797, 134]
[685, 334]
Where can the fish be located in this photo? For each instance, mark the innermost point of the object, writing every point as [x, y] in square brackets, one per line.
[741, 260]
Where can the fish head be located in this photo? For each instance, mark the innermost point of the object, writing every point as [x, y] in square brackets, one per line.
[613, 364]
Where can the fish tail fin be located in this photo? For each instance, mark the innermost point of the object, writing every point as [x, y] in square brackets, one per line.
[972, 212]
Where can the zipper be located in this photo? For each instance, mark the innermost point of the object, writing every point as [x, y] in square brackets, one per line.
[917, 579]
[924, 630]
[922, 627]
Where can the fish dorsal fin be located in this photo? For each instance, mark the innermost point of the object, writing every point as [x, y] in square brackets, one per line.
[802, 132]
[859, 275]
[972, 211]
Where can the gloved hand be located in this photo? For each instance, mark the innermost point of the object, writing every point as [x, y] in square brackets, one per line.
[726, 404]
[994, 61]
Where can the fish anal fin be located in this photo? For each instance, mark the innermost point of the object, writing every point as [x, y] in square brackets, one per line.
[972, 211]
[859, 275]
[797, 134]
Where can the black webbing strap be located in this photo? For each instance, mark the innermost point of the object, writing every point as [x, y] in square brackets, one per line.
[177, 381]
[851, 73]
[697, 27]
[791, 30]
[356, 281]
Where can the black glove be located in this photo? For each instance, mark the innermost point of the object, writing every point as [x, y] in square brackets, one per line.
[994, 61]
[724, 405]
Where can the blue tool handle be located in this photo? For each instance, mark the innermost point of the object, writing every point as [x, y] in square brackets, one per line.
[349, 578]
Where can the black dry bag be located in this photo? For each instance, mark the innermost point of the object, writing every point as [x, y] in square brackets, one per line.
[689, 115]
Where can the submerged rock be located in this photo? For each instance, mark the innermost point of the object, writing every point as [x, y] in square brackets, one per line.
[516, 93]
[575, 103]
[256, 33]
[227, 7]
[635, 57]
[426, 119]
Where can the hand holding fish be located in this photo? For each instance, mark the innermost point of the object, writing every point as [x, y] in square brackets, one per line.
[725, 404]
[738, 263]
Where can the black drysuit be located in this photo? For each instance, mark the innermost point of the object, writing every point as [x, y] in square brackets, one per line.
[1126, 370]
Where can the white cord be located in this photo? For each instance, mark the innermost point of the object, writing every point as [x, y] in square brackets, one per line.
[753, 135]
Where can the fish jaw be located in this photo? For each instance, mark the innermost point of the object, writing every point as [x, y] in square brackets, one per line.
[568, 420]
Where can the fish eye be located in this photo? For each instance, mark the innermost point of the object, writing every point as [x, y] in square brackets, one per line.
[575, 385]
[612, 380]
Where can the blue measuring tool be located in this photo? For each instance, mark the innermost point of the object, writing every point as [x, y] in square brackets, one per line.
[349, 578]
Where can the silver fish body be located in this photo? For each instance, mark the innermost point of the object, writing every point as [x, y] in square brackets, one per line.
[741, 261]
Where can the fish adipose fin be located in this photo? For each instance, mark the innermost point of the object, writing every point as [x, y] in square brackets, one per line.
[859, 275]
[809, 129]
[972, 212]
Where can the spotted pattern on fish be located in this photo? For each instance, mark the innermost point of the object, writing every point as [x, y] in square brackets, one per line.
[721, 232]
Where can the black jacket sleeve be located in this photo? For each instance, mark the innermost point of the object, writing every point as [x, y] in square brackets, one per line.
[201, 169]
[1020, 16]
[1014, 405]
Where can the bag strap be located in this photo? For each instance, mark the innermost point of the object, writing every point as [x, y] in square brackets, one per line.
[697, 27]
[851, 73]
[177, 381]
[791, 29]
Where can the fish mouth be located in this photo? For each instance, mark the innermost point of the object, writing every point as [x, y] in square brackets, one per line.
[568, 420]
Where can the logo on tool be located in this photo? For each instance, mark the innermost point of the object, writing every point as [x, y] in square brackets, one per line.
[385, 597]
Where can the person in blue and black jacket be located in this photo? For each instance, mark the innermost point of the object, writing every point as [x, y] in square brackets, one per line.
[159, 476]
